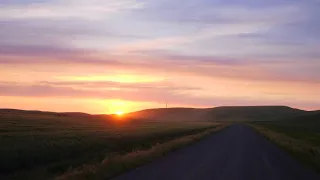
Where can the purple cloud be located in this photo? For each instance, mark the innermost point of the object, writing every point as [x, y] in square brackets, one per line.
[143, 95]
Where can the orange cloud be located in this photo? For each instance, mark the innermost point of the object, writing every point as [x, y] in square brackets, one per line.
[189, 81]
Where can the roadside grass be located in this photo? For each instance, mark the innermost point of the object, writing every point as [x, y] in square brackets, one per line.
[299, 142]
[308, 131]
[44, 145]
[115, 164]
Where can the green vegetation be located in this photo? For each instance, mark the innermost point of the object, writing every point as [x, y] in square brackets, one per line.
[46, 145]
[38, 145]
[299, 135]
[117, 164]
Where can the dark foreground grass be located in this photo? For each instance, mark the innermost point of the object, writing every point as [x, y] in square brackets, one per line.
[300, 139]
[118, 163]
[46, 145]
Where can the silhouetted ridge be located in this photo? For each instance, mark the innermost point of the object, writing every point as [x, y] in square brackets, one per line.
[226, 113]
[252, 113]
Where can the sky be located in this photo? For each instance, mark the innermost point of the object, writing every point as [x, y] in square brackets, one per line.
[109, 56]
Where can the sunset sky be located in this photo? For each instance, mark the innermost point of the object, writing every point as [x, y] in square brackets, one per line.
[107, 56]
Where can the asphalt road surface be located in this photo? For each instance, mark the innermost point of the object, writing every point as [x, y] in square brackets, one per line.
[236, 153]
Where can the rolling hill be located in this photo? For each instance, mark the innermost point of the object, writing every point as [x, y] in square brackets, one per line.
[35, 112]
[227, 113]
[170, 114]
[252, 113]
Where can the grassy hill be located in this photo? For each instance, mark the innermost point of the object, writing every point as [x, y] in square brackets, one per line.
[228, 113]
[171, 114]
[30, 112]
[252, 113]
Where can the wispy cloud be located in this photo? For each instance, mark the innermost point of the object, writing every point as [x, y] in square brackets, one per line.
[207, 33]
[97, 90]
[165, 65]
[154, 95]
[66, 9]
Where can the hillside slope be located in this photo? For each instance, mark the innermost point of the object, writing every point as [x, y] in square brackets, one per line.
[170, 114]
[252, 113]
[227, 113]
[35, 112]
[231, 113]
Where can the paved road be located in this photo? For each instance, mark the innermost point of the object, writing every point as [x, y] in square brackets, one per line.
[236, 153]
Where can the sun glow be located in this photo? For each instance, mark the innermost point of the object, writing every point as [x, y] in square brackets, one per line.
[119, 113]
[121, 107]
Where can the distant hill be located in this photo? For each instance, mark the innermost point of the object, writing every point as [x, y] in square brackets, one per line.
[252, 113]
[228, 113]
[170, 114]
[34, 112]
[231, 113]
[18, 111]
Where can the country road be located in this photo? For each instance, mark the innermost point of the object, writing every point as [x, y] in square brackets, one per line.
[236, 153]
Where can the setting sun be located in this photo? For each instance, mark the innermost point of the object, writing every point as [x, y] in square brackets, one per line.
[121, 107]
[119, 113]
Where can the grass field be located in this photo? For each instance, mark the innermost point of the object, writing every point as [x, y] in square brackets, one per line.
[119, 163]
[45, 145]
[300, 136]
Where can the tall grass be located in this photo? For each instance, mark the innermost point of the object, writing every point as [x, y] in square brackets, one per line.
[45, 145]
[117, 163]
[306, 152]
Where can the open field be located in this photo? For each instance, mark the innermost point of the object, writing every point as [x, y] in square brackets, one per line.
[298, 135]
[48, 145]
[45, 145]
[120, 163]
